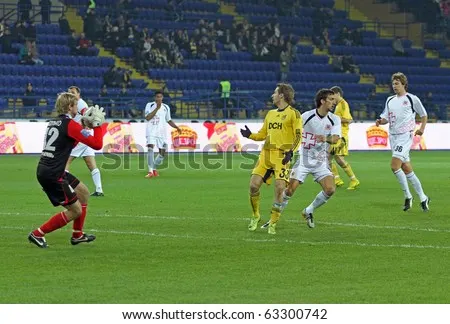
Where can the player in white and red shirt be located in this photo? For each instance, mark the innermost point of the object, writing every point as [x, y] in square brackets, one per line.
[400, 112]
[84, 151]
[320, 129]
[157, 115]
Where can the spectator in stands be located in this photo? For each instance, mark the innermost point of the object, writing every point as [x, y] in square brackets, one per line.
[89, 24]
[25, 54]
[112, 77]
[337, 65]
[178, 60]
[228, 42]
[24, 7]
[344, 37]
[46, 6]
[126, 78]
[398, 47]
[83, 44]
[6, 42]
[322, 40]
[28, 99]
[2, 27]
[73, 44]
[64, 25]
[284, 70]
[104, 101]
[348, 64]
[30, 30]
[19, 32]
[34, 54]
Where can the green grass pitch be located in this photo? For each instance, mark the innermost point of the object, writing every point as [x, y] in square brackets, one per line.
[183, 238]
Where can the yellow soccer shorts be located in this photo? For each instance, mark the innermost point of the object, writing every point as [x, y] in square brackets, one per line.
[340, 148]
[269, 164]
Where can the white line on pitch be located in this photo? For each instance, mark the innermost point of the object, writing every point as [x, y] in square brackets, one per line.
[272, 240]
[425, 229]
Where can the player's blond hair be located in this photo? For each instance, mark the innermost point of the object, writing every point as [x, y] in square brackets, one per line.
[399, 76]
[64, 101]
[288, 93]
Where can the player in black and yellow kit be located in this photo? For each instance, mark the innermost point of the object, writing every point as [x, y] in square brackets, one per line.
[282, 132]
[340, 149]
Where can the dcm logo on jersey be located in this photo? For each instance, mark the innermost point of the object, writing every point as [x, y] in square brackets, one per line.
[275, 125]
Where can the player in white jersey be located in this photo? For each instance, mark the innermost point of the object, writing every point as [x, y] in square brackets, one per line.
[320, 129]
[157, 114]
[400, 112]
[84, 151]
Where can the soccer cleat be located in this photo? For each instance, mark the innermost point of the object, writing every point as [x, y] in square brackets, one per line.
[266, 224]
[408, 204]
[38, 241]
[338, 182]
[85, 238]
[97, 194]
[155, 173]
[353, 184]
[253, 223]
[272, 229]
[149, 175]
[424, 205]
[309, 218]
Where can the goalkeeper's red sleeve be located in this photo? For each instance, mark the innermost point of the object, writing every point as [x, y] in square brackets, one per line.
[78, 133]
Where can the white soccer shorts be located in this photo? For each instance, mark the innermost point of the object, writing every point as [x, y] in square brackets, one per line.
[159, 142]
[82, 150]
[401, 145]
[300, 172]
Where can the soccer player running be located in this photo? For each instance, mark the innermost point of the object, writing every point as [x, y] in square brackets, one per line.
[157, 114]
[339, 150]
[84, 151]
[400, 112]
[320, 129]
[282, 131]
[61, 187]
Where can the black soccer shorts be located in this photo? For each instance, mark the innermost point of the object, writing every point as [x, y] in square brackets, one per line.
[60, 191]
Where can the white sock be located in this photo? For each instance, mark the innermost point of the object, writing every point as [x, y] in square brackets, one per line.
[417, 185]
[97, 180]
[159, 159]
[285, 200]
[320, 199]
[401, 177]
[150, 160]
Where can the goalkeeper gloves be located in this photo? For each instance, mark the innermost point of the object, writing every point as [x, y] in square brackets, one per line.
[94, 116]
[287, 157]
[246, 132]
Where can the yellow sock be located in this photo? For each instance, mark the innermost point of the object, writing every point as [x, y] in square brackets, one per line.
[254, 202]
[334, 169]
[348, 170]
[275, 214]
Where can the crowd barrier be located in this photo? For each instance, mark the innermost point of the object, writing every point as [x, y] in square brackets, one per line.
[28, 137]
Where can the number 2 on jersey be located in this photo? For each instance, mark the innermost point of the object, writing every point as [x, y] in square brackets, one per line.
[50, 138]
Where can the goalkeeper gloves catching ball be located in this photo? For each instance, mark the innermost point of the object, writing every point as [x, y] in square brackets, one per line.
[94, 116]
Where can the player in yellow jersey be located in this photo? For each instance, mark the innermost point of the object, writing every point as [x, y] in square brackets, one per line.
[340, 150]
[282, 132]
